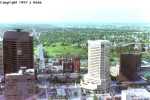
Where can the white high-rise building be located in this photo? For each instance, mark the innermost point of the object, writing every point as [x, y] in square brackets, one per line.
[98, 78]
[41, 56]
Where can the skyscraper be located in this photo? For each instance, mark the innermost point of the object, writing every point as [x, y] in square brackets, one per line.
[17, 51]
[98, 66]
[41, 56]
[129, 67]
[1, 61]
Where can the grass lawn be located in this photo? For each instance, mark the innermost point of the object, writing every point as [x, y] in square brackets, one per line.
[65, 50]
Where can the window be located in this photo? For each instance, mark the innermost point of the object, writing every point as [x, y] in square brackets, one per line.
[19, 51]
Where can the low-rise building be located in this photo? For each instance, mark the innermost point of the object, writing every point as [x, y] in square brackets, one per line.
[19, 86]
[135, 94]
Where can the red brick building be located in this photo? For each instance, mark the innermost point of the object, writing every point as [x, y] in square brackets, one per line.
[70, 64]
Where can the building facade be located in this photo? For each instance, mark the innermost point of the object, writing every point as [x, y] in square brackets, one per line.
[17, 51]
[19, 86]
[98, 78]
[76, 64]
[129, 67]
[70, 64]
[135, 94]
[1, 61]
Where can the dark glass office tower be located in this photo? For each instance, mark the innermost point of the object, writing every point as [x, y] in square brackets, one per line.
[129, 67]
[17, 51]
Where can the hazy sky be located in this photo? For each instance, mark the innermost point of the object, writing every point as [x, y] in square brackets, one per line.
[83, 11]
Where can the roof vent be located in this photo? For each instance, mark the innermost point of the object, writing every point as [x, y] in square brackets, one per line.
[18, 30]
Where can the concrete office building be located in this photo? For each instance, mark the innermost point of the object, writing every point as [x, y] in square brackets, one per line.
[97, 79]
[1, 61]
[41, 57]
[17, 51]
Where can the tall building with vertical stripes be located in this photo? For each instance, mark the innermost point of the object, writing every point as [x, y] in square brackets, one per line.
[98, 78]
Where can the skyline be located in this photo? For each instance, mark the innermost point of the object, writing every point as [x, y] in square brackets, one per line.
[85, 11]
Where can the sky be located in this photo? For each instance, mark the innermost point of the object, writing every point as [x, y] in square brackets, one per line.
[77, 11]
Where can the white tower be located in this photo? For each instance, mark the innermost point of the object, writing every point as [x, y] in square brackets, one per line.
[41, 57]
[98, 63]
[98, 66]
